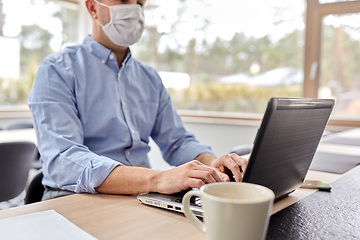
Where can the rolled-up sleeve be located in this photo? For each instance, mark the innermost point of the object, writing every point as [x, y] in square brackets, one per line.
[177, 145]
[66, 160]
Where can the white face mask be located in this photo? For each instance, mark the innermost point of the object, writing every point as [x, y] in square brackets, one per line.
[126, 24]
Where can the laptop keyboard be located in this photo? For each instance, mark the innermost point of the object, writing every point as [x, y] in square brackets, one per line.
[194, 201]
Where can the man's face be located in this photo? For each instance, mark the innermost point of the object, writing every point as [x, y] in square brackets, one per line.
[104, 13]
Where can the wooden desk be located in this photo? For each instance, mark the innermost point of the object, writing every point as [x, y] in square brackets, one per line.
[124, 217]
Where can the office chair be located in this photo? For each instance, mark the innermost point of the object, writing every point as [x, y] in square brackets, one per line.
[242, 149]
[37, 163]
[22, 124]
[15, 163]
[35, 190]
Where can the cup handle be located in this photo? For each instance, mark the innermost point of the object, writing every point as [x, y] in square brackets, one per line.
[188, 213]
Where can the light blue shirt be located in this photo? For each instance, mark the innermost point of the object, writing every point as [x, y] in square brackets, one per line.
[90, 116]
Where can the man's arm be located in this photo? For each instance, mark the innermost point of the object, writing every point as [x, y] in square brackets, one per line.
[67, 163]
[134, 180]
[205, 169]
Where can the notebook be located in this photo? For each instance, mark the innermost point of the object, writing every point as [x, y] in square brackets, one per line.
[284, 147]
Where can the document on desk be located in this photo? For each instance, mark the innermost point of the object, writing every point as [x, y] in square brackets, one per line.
[46, 225]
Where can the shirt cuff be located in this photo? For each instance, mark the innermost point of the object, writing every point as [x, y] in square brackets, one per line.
[95, 173]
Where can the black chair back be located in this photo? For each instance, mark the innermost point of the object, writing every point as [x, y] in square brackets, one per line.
[15, 163]
[35, 190]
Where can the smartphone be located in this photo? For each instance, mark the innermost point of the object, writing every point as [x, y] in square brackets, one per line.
[321, 185]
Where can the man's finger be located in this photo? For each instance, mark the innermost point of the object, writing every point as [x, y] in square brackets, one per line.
[194, 183]
[205, 176]
[242, 162]
[233, 166]
[212, 171]
[224, 177]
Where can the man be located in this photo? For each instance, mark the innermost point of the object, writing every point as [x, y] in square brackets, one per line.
[94, 108]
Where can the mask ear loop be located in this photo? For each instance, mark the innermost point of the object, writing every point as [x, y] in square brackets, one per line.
[102, 4]
[99, 23]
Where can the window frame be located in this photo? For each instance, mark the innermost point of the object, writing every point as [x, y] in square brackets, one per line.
[313, 23]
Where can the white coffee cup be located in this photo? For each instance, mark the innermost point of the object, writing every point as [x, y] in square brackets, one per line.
[232, 210]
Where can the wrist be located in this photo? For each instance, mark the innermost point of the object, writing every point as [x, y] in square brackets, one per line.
[206, 158]
[153, 181]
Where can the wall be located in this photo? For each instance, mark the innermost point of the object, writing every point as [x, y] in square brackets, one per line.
[11, 114]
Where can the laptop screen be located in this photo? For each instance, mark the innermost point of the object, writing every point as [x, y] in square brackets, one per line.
[286, 143]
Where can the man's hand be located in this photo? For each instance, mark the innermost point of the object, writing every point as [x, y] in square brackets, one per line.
[232, 162]
[227, 163]
[193, 174]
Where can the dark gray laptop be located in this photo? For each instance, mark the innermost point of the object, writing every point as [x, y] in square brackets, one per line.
[283, 149]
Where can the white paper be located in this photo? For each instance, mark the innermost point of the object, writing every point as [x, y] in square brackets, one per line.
[46, 225]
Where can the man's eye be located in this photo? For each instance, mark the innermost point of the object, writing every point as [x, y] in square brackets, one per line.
[141, 5]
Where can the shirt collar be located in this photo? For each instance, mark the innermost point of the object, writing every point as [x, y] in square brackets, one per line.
[127, 58]
[98, 50]
[101, 52]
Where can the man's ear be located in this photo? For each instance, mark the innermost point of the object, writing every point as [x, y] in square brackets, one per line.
[91, 8]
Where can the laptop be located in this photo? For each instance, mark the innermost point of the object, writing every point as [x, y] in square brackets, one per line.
[283, 149]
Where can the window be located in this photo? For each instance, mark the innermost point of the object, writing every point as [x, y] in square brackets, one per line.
[220, 56]
[340, 58]
[331, 56]
[29, 31]
[227, 56]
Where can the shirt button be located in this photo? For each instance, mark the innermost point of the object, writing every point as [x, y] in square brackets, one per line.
[111, 56]
[119, 75]
[133, 131]
[128, 153]
[103, 61]
[123, 103]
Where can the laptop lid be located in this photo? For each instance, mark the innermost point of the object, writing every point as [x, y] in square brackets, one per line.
[286, 142]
